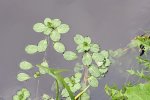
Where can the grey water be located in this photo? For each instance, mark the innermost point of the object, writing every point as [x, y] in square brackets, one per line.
[110, 23]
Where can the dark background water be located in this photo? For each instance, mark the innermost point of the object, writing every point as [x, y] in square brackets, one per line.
[111, 23]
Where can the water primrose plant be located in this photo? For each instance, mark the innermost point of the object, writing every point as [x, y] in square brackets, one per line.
[94, 66]
[141, 89]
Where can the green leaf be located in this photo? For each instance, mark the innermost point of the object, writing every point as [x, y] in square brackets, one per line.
[87, 59]
[69, 55]
[31, 49]
[42, 45]
[59, 47]
[107, 62]
[87, 40]
[56, 75]
[37, 74]
[79, 39]
[138, 92]
[45, 64]
[47, 31]
[24, 65]
[47, 21]
[63, 28]
[78, 75]
[22, 94]
[56, 22]
[45, 97]
[94, 71]
[115, 93]
[80, 48]
[55, 36]
[84, 96]
[94, 48]
[67, 80]
[64, 93]
[23, 77]
[39, 27]
[98, 57]
[77, 86]
[93, 81]
[26, 93]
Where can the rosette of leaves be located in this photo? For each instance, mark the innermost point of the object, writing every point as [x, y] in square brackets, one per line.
[84, 44]
[22, 94]
[74, 84]
[52, 27]
[91, 52]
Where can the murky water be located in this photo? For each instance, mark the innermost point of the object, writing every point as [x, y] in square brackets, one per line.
[111, 23]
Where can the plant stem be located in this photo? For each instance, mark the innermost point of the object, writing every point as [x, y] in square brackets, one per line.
[57, 90]
[81, 92]
[85, 75]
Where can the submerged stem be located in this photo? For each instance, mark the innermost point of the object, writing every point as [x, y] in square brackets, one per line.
[85, 75]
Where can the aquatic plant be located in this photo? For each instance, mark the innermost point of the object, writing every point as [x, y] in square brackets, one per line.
[94, 66]
[141, 89]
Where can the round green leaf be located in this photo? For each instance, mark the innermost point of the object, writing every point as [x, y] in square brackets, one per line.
[98, 57]
[78, 75]
[42, 45]
[47, 31]
[56, 22]
[63, 28]
[39, 27]
[87, 59]
[87, 40]
[93, 81]
[59, 47]
[24, 65]
[69, 55]
[94, 71]
[94, 48]
[23, 77]
[79, 39]
[77, 86]
[31, 49]
[55, 36]
[80, 48]
[47, 21]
